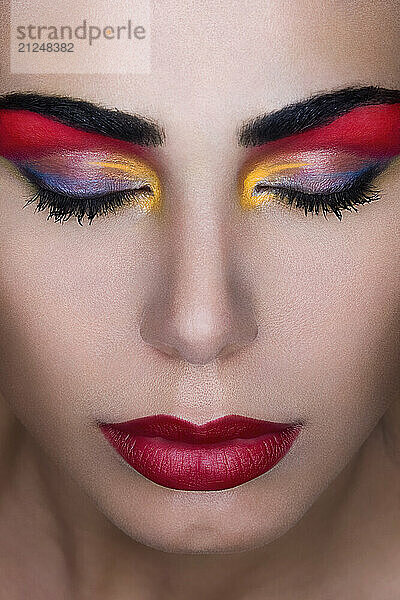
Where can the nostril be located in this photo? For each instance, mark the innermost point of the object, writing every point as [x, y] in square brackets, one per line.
[197, 335]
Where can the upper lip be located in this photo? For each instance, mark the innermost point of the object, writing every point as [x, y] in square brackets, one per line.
[177, 429]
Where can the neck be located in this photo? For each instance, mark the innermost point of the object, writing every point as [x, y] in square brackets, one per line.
[339, 542]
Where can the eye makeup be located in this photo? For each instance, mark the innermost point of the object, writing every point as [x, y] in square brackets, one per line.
[327, 167]
[321, 172]
[372, 131]
[92, 174]
[66, 163]
[25, 134]
[330, 167]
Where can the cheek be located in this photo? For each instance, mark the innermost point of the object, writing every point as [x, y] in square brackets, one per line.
[327, 299]
[70, 299]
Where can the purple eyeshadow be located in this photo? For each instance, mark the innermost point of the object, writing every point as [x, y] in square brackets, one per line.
[321, 179]
[76, 186]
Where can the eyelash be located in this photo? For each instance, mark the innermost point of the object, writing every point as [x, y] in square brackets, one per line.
[361, 191]
[63, 207]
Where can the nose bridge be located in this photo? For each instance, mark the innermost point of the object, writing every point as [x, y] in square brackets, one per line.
[198, 314]
[200, 298]
[200, 260]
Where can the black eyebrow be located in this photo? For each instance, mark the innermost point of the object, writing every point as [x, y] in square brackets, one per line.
[88, 117]
[317, 110]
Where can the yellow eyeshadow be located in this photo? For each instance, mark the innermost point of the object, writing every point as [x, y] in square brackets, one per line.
[146, 174]
[250, 200]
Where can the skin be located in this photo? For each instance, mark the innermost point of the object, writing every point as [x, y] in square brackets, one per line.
[270, 314]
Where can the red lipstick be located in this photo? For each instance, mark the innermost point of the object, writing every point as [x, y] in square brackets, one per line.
[216, 455]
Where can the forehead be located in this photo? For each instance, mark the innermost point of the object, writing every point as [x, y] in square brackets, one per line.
[215, 64]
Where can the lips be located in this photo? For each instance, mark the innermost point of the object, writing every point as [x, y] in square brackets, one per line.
[216, 455]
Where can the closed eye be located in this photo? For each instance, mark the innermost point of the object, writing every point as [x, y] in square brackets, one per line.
[347, 197]
[62, 207]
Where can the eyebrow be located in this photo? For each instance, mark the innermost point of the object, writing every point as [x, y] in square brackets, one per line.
[315, 111]
[87, 116]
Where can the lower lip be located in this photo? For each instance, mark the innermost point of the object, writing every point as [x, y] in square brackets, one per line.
[197, 467]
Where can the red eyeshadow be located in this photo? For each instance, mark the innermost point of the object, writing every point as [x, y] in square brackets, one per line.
[26, 134]
[372, 131]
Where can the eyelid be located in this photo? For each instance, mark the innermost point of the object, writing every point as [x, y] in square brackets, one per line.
[259, 172]
[87, 175]
[137, 169]
[323, 176]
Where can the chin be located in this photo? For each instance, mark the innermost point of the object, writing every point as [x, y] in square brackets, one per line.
[198, 531]
[200, 540]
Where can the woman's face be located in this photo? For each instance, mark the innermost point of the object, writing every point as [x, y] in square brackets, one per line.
[212, 309]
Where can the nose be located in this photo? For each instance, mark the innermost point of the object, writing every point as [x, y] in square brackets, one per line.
[198, 325]
[199, 311]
